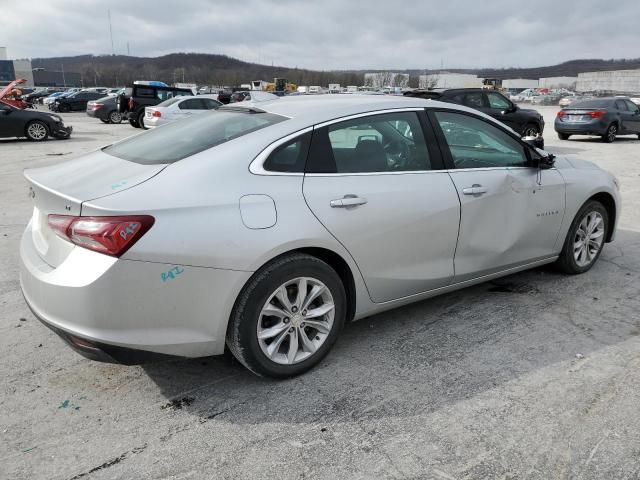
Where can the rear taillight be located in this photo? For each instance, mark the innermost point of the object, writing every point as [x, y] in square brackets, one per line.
[109, 235]
[97, 106]
[156, 113]
[597, 113]
[561, 113]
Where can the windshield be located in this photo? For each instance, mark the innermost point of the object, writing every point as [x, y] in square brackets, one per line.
[188, 137]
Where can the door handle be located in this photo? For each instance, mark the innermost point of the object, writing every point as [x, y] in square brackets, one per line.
[476, 189]
[347, 201]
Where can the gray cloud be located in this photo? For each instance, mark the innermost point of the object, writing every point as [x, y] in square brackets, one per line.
[335, 34]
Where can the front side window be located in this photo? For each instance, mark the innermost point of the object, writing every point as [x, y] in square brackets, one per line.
[475, 143]
[620, 105]
[190, 136]
[497, 101]
[631, 106]
[391, 142]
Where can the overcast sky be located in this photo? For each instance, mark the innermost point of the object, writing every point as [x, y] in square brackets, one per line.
[333, 34]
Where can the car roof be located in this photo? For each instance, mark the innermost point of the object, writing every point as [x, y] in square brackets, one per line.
[308, 110]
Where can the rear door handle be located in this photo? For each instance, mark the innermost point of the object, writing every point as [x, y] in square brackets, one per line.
[347, 201]
[476, 189]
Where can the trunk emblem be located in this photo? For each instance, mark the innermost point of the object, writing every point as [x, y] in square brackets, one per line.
[32, 192]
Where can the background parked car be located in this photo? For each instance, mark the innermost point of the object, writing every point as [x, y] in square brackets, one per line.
[524, 121]
[75, 102]
[134, 99]
[34, 125]
[49, 101]
[178, 108]
[605, 117]
[105, 109]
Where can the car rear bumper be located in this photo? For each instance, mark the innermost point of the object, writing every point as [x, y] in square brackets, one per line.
[595, 127]
[128, 311]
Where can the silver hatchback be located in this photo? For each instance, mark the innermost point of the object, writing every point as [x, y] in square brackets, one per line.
[266, 229]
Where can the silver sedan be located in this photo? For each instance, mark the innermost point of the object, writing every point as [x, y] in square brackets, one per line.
[266, 228]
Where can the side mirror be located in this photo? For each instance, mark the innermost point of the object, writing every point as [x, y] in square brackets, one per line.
[536, 142]
[547, 162]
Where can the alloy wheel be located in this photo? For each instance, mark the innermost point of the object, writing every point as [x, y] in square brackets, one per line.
[296, 320]
[37, 131]
[588, 239]
[115, 117]
[611, 133]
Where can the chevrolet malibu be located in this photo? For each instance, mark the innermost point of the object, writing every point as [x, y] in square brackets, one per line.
[266, 229]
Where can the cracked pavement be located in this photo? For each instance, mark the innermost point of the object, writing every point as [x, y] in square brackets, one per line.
[531, 376]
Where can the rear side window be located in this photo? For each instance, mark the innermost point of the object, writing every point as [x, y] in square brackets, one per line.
[191, 104]
[190, 136]
[145, 92]
[391, 142]
[289, 157]
[474, 100]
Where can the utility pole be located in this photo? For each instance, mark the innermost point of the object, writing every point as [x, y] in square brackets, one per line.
[128, 52]
[64, 81]
[110, 32]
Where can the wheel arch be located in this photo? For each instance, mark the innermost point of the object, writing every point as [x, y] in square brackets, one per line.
[335, 261]
[606, 199]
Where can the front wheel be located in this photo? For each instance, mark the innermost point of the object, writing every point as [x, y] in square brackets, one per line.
[610, 135]
[585, 238]
[37, 131]
[287, 317]
[530, 130]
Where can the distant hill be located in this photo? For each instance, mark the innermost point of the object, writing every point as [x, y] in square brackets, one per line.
[211, 69]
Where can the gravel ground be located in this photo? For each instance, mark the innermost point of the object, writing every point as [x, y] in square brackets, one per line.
[532, 376]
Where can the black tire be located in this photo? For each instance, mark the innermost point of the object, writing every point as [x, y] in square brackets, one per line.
[567, 262]
[133, 123]
[563, 136]
[610, 135]
[36, 131]
[104, 120]
[140, 120]
[242, 337]
[530, 130]
[115, 117]
[63, 108]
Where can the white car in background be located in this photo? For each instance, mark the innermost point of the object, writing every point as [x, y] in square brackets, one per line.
[178, 108]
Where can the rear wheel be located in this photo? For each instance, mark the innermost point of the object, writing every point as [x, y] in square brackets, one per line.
[37, 131]
[133, 123]
[141, 120]
[585, 238]
[115, 116]
[563, 136]
[288, 316]
[610, 135]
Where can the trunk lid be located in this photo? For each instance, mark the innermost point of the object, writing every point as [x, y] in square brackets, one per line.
[61, 189]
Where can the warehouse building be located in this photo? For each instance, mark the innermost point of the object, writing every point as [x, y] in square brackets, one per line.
[519, 84]
[449, 80]
[613, 82]
[558, 82]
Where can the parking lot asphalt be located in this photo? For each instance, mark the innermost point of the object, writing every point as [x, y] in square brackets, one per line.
[531, 376]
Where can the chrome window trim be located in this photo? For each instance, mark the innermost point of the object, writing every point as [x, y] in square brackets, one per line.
[257, 165]
[369, 114]
[367, 174]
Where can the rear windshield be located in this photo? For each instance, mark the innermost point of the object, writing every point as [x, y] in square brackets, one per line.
[188, 137]
[597, 103]
[171, 101]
